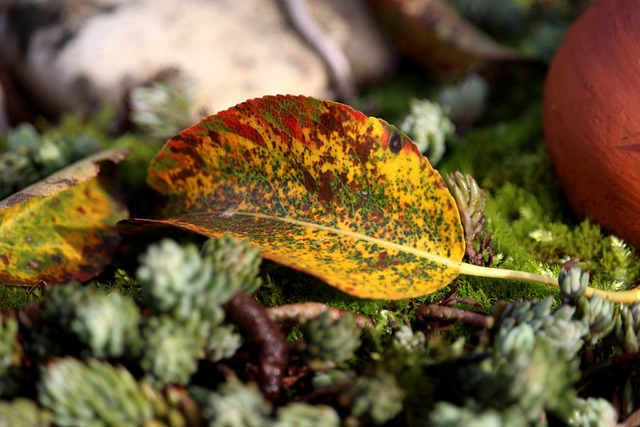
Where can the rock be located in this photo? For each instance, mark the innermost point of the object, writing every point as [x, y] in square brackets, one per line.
[76, 56]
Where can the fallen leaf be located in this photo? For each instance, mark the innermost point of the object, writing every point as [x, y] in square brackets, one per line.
[63, 227]
[317, 186]
[320, 187]
[433, 33]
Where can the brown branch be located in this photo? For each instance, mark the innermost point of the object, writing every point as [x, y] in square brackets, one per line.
[253, 319]
[332, 54]
[466, 316]
[301, 312]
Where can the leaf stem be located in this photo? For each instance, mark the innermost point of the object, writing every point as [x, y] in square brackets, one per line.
[623, 297]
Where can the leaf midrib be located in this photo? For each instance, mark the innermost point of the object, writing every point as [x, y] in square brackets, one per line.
[457, 265]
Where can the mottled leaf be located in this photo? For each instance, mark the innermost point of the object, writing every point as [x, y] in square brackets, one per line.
[320, 187]
[63, 227]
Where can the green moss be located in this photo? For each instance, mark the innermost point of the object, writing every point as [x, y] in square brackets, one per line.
[509, 152]
[12, 297]
[532, 226]
[122, 283]
[524, 231]
[282, 285]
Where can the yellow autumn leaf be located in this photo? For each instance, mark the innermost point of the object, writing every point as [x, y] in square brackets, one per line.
[320, 187]
[63, 227]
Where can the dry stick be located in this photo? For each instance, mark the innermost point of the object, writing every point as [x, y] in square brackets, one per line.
[301, 312]
[625, 297]
[333, 56]
[252, 318]
[470, 317]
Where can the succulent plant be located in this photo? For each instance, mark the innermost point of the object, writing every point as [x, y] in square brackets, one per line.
[185, 283]
[92, 393]
[238, 261]
[525, 366]
[429, 128]
[9, 346]
[51, 333]
[23, 412]
[533, 313]
[10, 354]
[378, 398]
[573, 284]
[172, 406]
[627, 327]
[448, 415]
[169, 352]
[464, 102]
[523, 373]
[592, 412]
[332, 376]
[235, 404]
[563, 331]
[306, 415]
[15, 170]
[175, 280]
[599, 316]
[107, 324]
[222, 343]
[163, 108]
[471, 200]
[31, 156]
[75, 317]
[330, 341]
[407, 339]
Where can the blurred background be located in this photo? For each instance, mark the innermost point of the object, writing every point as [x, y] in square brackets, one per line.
[70, 56]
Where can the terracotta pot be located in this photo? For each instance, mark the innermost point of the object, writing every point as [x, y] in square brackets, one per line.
[591, 116]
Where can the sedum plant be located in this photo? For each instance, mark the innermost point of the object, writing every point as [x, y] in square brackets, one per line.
[330, 341]
[429, 127]
[174, 356]
[30, 155]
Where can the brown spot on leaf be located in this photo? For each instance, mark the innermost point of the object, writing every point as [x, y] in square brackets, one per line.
[395, 143]
[325, 192]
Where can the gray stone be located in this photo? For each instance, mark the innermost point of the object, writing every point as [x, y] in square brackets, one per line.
[76, 55]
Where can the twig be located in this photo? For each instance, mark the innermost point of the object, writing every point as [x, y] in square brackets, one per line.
[309, 310]
[333, 56]
[252, 318]
[469, 317]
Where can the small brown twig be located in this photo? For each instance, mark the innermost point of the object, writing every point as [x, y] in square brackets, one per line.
[469, 317]
[302, 312]
[450, 299]
[335, 59]
[253, 319]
